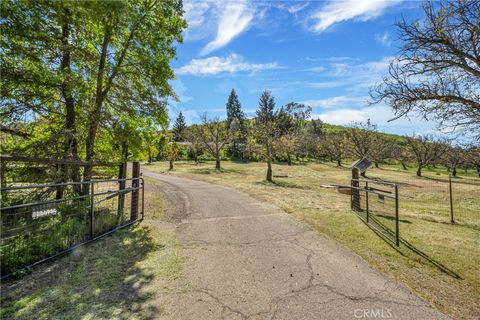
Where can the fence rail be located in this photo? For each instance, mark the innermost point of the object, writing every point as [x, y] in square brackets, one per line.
[36, 226]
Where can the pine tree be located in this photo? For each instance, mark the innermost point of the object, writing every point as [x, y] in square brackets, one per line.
[234, 109]
[179, 128]
[266, 106]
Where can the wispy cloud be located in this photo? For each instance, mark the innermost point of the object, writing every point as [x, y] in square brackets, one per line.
[230, 64]
[324, 84]
[384, 39]
[335, 102]
[200, 19]
[338, 11]
[233, 19]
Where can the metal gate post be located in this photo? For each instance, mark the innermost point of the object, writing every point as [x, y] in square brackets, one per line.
[122, 174]
[135, 193]
[397, 238]
[366, 198]
[451, 198]
[92, 209]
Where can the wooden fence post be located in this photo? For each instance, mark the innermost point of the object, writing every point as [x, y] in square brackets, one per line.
[135, 193]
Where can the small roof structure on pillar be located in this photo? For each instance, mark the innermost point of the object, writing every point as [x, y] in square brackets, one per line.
[361, 165]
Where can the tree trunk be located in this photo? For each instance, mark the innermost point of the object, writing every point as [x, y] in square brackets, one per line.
[71, 146]
[217, 163]
[171, 164]
[454, 171]
[289, 159]
[376, 165]
[339, 163]
[403, 165]
[478, 169]
[97, 110]
[419, 171]
[269, 170]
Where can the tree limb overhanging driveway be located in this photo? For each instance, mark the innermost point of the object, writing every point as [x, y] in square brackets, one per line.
[248, 260]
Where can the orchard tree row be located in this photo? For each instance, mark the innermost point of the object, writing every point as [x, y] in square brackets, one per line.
[286, 133]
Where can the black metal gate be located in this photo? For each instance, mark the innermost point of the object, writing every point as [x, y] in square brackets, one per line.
[37, 225]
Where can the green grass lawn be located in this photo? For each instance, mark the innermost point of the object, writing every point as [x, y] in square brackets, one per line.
[440, 250]
[120, 276]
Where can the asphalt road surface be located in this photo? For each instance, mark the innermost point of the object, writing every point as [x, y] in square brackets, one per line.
[248, 260]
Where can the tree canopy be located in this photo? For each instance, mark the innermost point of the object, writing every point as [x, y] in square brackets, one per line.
[437, 73]
[87, 72]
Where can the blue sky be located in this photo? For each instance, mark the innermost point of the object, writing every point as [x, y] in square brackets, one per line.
[323, 53]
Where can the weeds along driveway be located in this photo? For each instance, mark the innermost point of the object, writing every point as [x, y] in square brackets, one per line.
[248, 260]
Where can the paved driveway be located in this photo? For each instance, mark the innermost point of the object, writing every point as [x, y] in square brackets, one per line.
[248, 260]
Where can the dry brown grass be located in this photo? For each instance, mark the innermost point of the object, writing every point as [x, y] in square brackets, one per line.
[456, 247]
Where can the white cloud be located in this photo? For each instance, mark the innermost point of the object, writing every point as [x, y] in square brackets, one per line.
[380, 115]
[335, 102]
[200, 20]
[338, 11]
[384, 39]
[233, 19]
[214, 65]
[376, 114]
[325, 84]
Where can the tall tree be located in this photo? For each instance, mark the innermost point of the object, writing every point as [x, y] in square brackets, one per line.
[335, 146]
[291, 119]
[215, 135]
[85, 66]
[235, 113]
[438, 71]
[426, 149]
[234, 109]
[179, 128]
[266, 107]
[452, 158]
[362, 137]
[265, 132]
[172, 153]
[382, 148]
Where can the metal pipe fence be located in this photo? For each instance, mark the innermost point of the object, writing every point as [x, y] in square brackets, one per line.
[37, 226]
[376, 203]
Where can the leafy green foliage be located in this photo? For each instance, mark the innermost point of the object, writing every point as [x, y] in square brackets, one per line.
[83, 77]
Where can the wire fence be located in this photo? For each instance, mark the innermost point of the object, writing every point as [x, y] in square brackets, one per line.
[445, 200]
[387, 206]
[33, 231]
[47, 210]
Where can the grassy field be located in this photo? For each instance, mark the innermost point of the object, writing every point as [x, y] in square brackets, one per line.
[121, 276]
[442, 262]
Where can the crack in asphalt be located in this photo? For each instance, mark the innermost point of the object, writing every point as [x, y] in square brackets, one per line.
[222, 304]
